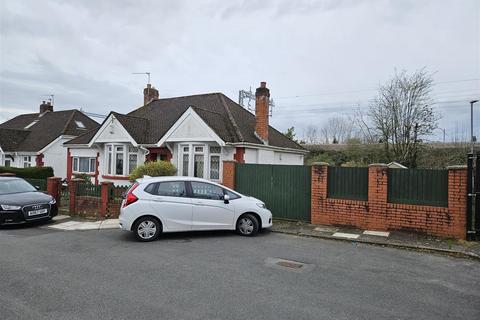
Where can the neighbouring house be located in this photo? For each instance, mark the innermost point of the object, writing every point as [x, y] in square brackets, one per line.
[36, 139]
[196, 133]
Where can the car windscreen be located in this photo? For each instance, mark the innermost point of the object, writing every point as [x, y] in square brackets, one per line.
[15, 186]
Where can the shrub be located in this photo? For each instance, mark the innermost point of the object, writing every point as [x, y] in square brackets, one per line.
[32, 172]
[85, 177]
[153, 169]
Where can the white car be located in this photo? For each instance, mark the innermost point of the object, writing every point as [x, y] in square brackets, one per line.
[171, 204]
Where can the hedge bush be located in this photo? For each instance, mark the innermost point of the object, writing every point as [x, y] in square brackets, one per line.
[32, 172]
[153, 169]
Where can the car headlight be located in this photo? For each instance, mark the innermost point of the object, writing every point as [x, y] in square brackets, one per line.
[53, 201]
[8, 207]
[261, 205]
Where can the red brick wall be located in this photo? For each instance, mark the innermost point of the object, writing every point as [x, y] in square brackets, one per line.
[378, 214]
[239, 155]
[228, 178]
[87, 206]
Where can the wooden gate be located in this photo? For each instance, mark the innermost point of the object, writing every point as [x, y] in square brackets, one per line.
[284, 189]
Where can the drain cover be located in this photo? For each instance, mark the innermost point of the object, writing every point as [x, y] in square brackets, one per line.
[289, 264]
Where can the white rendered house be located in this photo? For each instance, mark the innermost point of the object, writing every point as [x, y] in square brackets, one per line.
[196, 133]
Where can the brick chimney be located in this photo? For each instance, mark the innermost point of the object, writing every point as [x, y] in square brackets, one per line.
[262, 97]
[149, 94]
[46, 106]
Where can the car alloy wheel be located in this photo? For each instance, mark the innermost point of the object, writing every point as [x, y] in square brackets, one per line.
[147, 229]
[245, 226]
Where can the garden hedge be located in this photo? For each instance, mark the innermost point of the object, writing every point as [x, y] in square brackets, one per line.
[32, 172]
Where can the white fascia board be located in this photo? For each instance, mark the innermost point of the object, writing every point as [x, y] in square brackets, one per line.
[178, 123]
[53, 142]
[105, 126]
[266, 147]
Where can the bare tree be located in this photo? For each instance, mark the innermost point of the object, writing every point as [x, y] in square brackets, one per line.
[337, 130]
[363, 128]
[402, 113]
[311, 134]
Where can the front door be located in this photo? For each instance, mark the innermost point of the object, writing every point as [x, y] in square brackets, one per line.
[169, 201]
[210, 212]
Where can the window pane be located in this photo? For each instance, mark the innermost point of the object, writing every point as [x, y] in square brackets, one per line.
[198, 166]
[151, 188]
[214, 167]
[215, 149]
[83, 164]
[185, 165]
[92, 164]
[119, 163]
[75, 164]
[110, 162]
[132, 149]
[198, 149]
[231, 194]
[185, 149]
[172, 189]
[206, 191]
[132, 162]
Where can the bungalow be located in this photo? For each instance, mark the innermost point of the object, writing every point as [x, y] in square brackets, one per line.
[196, 133]
[36, 139]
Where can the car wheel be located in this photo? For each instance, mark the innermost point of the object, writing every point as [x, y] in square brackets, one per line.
[247, 225]
[147, 229]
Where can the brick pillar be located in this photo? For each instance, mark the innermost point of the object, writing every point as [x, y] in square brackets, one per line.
[54, 185]
[228, 179]
[72, 189]
[105, 193]
[457, 200]
[377, 198]
[318, 187]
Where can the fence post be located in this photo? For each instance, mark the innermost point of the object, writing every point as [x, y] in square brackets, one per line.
[72, 190]
[318, 192]
[457, 199]
[105, 194]
[54, 184]
[377, 196]
[228, 176]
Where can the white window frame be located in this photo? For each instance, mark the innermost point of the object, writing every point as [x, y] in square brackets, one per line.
[113, 160]
[191, 158]
[90, 168]
[28, 162]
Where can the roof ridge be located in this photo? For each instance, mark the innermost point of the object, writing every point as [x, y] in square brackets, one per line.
[127, 115]
[67, 123]
[231, 118]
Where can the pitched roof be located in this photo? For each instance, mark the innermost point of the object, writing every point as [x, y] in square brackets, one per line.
[34, 131]
[230, 121]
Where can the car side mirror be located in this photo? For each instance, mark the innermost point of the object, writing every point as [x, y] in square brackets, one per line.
[37, 187]
[226, 199]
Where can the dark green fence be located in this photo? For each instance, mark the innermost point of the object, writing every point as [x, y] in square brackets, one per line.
[284, 189]
[347, 183]
[40, 183]
[418, 186]
[86, 189]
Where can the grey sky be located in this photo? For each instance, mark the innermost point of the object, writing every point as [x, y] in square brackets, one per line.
[333, 54]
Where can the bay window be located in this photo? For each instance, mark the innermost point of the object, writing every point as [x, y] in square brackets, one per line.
[84, 164]
[121, 159]
[200, 160]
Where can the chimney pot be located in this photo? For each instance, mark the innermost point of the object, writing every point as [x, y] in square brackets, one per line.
[263, 84]
[46, 106]
[149, 94]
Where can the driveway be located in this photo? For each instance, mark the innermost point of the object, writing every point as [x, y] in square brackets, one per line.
[105, 274]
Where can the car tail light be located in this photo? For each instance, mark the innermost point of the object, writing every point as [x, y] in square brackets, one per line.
[130, 198]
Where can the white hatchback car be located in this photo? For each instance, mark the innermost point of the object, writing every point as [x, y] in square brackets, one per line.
[170, 204]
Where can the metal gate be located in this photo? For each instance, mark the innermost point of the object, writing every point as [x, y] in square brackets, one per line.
[284, 189]
[473, 197]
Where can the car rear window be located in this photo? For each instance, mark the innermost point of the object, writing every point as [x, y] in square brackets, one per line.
[167, 189]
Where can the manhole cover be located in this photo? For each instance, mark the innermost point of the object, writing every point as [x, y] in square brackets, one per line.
[289, 264]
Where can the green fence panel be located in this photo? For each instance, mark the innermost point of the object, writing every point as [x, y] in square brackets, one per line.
[347, 183]
[418, 186]
[86, 189]
[40, 183]
[284, 189]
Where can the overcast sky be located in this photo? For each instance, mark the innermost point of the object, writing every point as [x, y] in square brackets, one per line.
[319, 58]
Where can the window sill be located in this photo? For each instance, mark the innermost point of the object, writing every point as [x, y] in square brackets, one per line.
[91, 174]
[115, 177]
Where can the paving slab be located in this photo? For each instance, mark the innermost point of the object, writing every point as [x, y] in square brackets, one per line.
[376, 233]
[345, 235]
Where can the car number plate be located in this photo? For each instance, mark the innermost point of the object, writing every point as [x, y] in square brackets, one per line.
[37, 212]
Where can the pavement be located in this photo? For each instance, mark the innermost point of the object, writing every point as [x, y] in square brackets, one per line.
[396, 239]
[47, 273]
